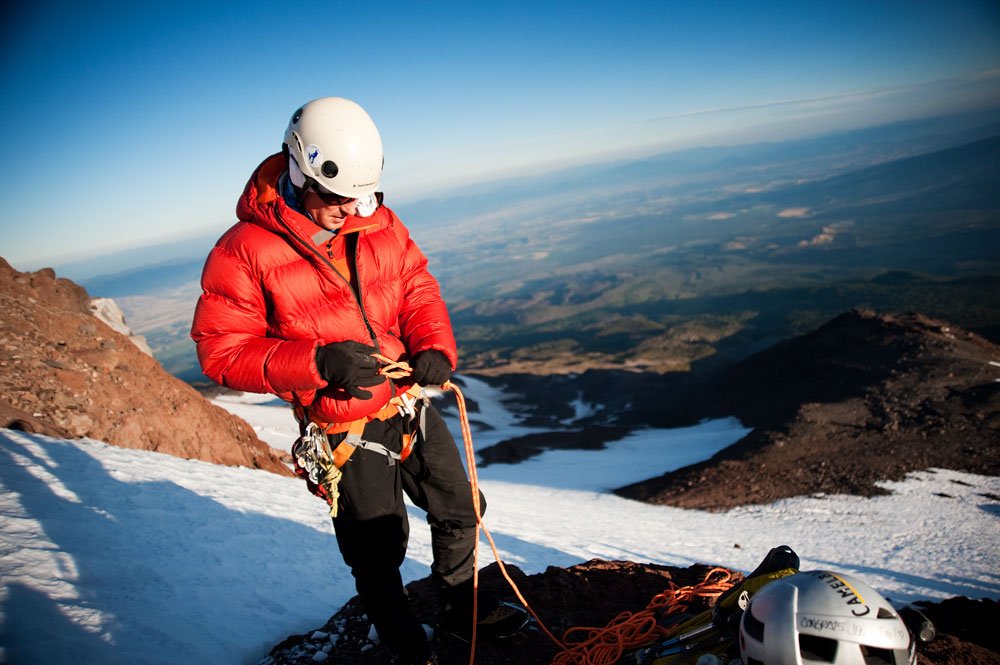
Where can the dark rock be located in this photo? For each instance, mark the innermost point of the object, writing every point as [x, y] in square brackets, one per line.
[592, 594]
[525, 447]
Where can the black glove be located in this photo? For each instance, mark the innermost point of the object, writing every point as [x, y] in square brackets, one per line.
[430, 368]
[349, 365]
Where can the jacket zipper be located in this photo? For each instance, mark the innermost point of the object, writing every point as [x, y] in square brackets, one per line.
[354, 260]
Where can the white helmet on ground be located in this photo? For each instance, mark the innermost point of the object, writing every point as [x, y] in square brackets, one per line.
[823, 617]
[334, 143]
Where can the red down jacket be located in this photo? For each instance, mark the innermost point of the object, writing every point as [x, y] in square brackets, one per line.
[271, 294]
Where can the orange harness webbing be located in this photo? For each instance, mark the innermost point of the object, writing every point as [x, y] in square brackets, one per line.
[354, 429]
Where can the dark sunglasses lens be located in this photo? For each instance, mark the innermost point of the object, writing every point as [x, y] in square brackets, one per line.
[330, 198]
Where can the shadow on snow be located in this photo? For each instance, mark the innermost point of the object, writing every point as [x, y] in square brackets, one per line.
[156, 563]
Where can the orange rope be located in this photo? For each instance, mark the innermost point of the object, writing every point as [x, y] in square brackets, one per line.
[470, 459]
[628, 630]
[400, 369]
[394, 369]
[600, 646]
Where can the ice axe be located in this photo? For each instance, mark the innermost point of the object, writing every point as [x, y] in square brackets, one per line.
[719, 625]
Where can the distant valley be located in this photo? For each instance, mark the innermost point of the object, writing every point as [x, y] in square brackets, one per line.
[711, 274]
[684, 261]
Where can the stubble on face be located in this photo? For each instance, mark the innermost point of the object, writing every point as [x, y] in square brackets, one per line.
[330, 217]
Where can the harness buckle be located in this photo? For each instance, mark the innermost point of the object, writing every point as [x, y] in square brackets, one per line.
[407, 405]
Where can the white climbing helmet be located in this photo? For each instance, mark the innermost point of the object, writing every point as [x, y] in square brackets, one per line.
[823, 617]
[333, 142]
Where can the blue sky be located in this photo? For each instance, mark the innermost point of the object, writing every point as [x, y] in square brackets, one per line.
[125, 124]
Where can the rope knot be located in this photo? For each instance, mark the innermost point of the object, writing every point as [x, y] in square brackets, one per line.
[394, 369]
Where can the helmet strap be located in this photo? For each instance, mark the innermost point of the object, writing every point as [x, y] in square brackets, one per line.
[295, 174]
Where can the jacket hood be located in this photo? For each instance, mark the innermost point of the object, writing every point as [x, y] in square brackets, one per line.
[274, 289]
[262, 204]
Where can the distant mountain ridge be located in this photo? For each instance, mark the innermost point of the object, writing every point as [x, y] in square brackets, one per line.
[149, 278]
[811, 157]
[967, 172]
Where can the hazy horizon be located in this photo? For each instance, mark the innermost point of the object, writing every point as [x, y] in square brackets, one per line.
[144, 122]
[88, 264]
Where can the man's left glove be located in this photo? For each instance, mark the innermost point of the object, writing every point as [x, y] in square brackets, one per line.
[349, 365]
[430, 368]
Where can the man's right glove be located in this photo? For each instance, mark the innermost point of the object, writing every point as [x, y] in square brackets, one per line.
[349, 365]
[430, 368]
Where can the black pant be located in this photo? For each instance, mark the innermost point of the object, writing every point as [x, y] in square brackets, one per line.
[372, 527]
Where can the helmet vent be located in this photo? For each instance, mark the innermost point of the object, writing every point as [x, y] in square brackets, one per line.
[330, 169]
[874, 656]
[817, 649]
[753, 627]
[885, 613]
[296, 116]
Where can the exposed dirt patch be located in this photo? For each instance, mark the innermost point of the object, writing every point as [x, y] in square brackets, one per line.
[65, 373]
[520, 448]
[590, 594]
[968, 629]
[863, 399]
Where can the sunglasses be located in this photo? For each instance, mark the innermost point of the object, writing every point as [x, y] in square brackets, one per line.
[329, 198]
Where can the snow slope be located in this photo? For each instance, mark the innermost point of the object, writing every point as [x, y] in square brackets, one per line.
[110, 555]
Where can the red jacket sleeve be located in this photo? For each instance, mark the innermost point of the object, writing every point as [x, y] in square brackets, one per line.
[230, 332]
[423, 319]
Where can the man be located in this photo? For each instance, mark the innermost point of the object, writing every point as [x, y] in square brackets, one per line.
[316, 277]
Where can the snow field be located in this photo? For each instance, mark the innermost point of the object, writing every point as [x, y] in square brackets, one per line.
[109, 555]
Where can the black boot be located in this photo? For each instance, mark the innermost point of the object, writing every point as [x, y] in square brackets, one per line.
[388, 607]
[495, 618]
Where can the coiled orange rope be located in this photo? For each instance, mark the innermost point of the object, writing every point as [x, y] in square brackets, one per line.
[606, 645]
[599, 646]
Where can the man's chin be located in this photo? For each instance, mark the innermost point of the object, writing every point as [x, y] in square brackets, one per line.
[330, 225]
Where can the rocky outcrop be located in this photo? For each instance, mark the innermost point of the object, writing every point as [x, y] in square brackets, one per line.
[108, 311]
[588, 594]
[594, 594]
[64, 372]
[864, 398]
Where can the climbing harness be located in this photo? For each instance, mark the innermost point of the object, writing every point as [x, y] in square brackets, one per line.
[319, 464]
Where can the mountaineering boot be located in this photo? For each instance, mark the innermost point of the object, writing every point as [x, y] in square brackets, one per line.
[495, 618]
[387, 605]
